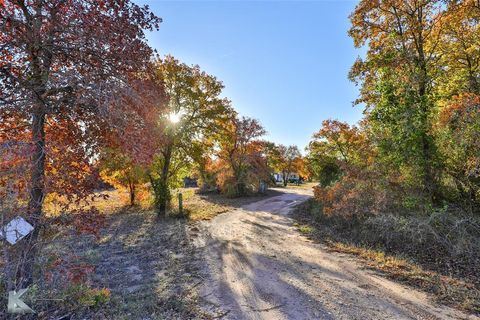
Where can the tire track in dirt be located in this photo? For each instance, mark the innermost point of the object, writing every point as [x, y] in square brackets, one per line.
[257, 266]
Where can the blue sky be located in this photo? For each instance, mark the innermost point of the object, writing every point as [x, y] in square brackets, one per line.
[284, 63]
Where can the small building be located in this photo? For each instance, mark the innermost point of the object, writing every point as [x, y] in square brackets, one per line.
[292, 177]
[189, 182]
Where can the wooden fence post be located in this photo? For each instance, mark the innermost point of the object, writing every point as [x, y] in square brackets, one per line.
[180, 202]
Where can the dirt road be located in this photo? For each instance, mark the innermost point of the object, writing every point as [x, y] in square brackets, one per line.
[257, 266]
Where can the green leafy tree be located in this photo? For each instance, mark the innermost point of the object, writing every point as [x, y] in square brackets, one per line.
[195, 110]
[397, 78]
[459, 141]
[321, 164]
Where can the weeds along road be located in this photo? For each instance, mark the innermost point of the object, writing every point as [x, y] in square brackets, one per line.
[258, 266]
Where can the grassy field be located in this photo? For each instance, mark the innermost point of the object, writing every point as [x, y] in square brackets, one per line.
[304, 186]
[207, 206]
[140, 266]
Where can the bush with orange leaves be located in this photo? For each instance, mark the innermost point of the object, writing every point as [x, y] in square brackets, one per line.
[241, 163]
[357, 181]
[361, 187]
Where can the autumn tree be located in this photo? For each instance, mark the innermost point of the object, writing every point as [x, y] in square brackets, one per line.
[61, 63]
[458, 50]
[202, 156]
[353, 184]
[287, 161]
[122, 172]
[343, 141]
[195, 110]
[458, 92]
[300, 165]
[242, 153]
[397, 77]
[272, 159]
[334, 149]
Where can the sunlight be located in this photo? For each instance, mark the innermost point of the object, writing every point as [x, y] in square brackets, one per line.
[174, 117]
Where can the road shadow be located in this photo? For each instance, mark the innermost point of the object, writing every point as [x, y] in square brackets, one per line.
[253, 273]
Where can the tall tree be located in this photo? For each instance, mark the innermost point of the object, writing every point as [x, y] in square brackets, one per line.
[397, 77]
[287, 162]
[458, 92]
[459, 50]
[195, 110]
[242, 152]
[60, 63]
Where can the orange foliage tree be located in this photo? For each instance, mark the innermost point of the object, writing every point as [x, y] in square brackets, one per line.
[241, 156]
[352, 184]
[287, 161]
[62, 64]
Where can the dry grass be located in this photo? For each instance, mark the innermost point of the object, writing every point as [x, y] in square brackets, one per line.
[144, 268]
[303, 186]
[206, 206]
[106, 201]
[462, 293]
[146, 265]
[149, 265]
[455, 292]
[196, 206]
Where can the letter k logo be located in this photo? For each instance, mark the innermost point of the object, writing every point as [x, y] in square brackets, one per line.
[15, 305]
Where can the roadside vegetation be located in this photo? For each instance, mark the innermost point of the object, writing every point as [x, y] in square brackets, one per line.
[135, 266]
[416, 251]
[406, 179]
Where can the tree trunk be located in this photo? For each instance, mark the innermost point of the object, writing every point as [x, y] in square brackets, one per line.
[39, 68]
[162, 205]
[429, 183]
[427, 152]
[165, 193]
[26, 266]
[131, 187]
[206, 181]
[473, 84]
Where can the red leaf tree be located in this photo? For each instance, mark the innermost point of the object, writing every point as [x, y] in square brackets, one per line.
[62, 63]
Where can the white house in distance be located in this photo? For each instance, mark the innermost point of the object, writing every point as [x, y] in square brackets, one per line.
[292, 176]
